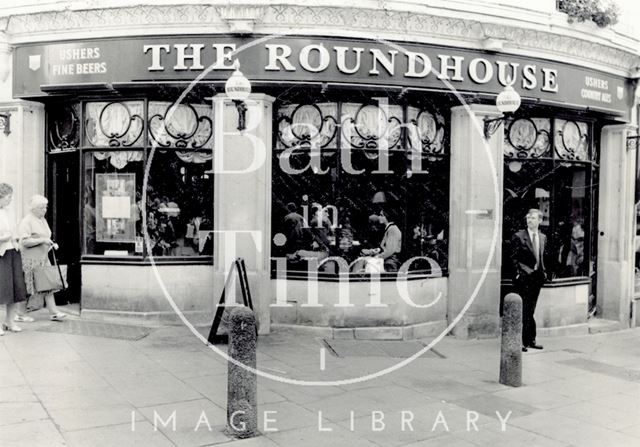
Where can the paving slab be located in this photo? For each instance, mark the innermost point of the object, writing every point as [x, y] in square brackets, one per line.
[152, 389]
[442, 441]
[57, 399]
[632, 431]
[16, 412]
[258, 441]
[512, 436]
[492, 405]
[388, 429]
[17, 394]
[620, 401]
[284, 416]
[537, 397]
[585, 435]
[141, 434]
[311, 436]
[40, 433]
[70, 419]
[192, 423]
[604, 368]
[597, 415]
[97, 329]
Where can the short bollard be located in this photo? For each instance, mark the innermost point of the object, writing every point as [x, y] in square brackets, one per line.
[242, 403]
[511, 349]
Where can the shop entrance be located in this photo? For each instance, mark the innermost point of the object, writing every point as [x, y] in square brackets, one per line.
[63, 194]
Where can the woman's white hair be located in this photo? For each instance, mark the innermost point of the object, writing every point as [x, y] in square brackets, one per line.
[36, 201]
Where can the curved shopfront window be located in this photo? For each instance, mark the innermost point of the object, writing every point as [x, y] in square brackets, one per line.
[359, 188]
[115, 145]
[551, 164]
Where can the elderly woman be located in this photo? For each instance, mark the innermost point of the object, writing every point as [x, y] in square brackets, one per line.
[35, 243]
[12, 290]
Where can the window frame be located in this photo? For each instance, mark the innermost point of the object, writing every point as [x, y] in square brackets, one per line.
[591, 166]
[142, 144]
[420, 103]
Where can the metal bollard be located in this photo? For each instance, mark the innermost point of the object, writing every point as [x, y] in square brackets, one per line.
[511, 348]
[242, 402]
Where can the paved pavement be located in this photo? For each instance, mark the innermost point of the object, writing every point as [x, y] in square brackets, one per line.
[61, 389]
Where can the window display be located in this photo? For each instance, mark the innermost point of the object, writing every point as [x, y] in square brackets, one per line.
[551, 165]
[115, 197]
[360, 188]
[117, 142]
[112, 208]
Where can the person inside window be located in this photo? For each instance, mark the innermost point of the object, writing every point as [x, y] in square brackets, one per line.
[315, 242]
[321, 229]
[575, 258]
[390, 246]
[90, 222]
[294, 229]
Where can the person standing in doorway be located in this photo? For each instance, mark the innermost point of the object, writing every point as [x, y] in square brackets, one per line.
[527, 257]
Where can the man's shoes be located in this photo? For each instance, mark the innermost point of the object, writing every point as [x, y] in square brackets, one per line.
[535, 346]
[524, 349]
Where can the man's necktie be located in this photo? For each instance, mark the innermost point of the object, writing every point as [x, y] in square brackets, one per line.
[536, 249]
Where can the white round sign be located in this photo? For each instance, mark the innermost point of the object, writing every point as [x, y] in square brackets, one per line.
[237, 86]
[508, 101]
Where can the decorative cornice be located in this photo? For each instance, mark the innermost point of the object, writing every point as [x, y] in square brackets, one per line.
[366, 22]
[564, 45]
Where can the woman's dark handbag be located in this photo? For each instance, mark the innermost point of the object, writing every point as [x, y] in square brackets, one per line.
[49, 278]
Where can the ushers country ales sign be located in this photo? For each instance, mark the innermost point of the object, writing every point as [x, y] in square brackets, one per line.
[40, 68]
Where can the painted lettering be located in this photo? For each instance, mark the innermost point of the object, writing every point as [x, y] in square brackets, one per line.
[182, 56]
[529, 80]
[156, 55]
[505, 78]
[412, 60]
[279, 54]
[387, 61]
[549, 80]
[341, 55]
[322, 62]
[474, 72]
[446, 67]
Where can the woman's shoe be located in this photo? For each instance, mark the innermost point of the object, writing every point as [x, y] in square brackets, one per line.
[24, 319]
[1, 332]
[12, 328]
[60, 316]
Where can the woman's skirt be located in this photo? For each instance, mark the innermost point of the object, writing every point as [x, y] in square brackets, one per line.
[12, 286]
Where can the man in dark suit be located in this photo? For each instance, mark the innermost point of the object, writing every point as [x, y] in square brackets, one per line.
[527, 257]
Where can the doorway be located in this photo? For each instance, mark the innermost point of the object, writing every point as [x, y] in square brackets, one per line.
[64, 217]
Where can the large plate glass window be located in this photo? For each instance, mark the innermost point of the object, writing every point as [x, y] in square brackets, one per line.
[116, 144]
[359, 188]
[551, 164]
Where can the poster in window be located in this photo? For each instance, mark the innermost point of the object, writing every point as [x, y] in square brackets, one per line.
[115, 197]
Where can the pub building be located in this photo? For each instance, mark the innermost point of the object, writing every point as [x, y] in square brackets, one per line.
[368, 180]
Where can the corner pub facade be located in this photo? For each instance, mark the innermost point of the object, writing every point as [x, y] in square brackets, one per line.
[355, 111]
